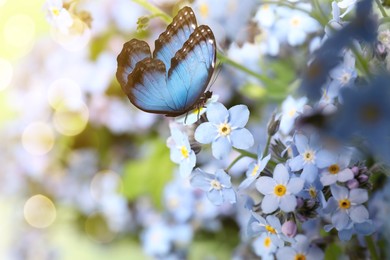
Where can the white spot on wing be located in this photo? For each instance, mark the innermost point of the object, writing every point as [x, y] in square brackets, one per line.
[211, 41]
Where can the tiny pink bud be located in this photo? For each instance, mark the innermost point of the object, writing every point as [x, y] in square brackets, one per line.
[299, 202]
[352, 184]
[363, 178]
[289, 228]
[355, 170]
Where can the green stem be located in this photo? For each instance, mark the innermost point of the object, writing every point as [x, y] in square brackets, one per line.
[381, 9]
[232, 63]
[287, 4]
[154, 10]
[361, 61]
[234, 162]
[371, 247]
[384, 20]
[322, 17]
[266, 148]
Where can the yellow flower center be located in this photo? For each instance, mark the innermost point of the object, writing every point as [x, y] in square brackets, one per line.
[292, 112]
[224, 129]
[345, 78]
[309, 156]
[280, 190]
[334, 169]
[204, 10]
[216, 185]
[264, 7]
[299, 257]
[313, 192]
[55, 11]
[267, 242]
[270, 229]
[295, 21]
[344, 204]
[184, 152]
[255, 170]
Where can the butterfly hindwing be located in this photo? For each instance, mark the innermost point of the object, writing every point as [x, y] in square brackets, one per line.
[176, 34]
[147, 89]
[133, 51]
[191, 68]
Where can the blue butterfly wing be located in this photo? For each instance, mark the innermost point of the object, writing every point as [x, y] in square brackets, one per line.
[176, 34]
[132, 52]
[192, 68]
[147, 89]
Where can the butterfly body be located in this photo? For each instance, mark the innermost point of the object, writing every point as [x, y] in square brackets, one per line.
[174, 79]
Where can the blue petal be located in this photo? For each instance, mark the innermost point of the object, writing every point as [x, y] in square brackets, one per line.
[221, 148]
[229, 195]
[309, 173]
[340, 219]
[223, 178]
[359, 214]
[265, 185]
[269, 204]
[358, 196]
[205, 133]
[241, 138]
[281, 174]
[200, 179]
[217, 113]
[288, 203]
[215, 197]
[301, 142]
[339, 192]
[325, 159]
[296, 163]
[295, 185]
[238, 116]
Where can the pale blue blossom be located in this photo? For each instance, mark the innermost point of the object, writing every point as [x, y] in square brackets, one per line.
[264, 247]
[225, 129]
[291, 108]
[254, 170]
[346, 206]
[337, 171]
[181, 152]
[218, 186]
[58, 16]
[279, 191]
[301, 249]
[310, 157]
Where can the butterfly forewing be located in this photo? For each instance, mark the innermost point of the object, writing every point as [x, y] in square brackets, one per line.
[132, 52]
[191, 68]
[147, 89]
[176, 34]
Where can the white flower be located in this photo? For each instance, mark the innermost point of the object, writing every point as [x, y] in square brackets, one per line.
[58, 16]
[291, 108]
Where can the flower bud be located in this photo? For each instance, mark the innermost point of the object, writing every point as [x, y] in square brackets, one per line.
[355, 170]
[289, 228]
[352, 184]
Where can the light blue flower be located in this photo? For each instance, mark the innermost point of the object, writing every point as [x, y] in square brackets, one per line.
[279, 191]
[310, 157]
[218, 186]
[270, 226]
[337, 171]
[254, 170]
[181, 152]
[301, 249]
[156, 239]
[179, 200]
[291, 108]
[263, 247]
[346, 206]
[225, 129]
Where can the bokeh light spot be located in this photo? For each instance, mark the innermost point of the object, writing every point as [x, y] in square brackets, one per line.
[19, 32]
[77, 38]
[6, 72]
[98, 230]
[39, 211]
[63, 91]
[2, 2]
[71, 119]
[38, 138]
[105, 182]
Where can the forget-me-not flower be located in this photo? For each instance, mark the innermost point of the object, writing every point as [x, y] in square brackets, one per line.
[225, 129]
[218, 186]
[337, 171]
[279, 191]
[254, 170]
[269, 225]
[346, 206]
[310, 158]
[290, 111]
[181, 152]
[262, 246]
[301, 249]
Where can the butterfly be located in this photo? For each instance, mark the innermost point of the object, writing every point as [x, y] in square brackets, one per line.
[173, 80]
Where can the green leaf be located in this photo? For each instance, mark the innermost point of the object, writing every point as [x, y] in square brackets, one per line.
[333, 251]
[148, 176]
